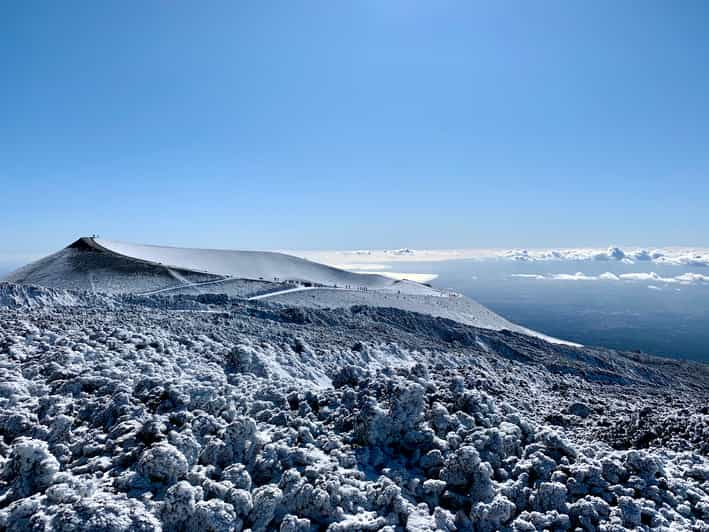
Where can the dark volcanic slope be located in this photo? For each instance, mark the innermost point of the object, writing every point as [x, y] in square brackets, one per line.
[83, 267]
[210, 413]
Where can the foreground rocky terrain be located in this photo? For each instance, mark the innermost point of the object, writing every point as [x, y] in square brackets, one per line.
[206, 412]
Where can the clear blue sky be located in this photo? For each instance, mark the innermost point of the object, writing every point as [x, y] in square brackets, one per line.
[305, 124]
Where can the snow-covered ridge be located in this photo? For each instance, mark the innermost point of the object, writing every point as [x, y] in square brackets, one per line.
[100, 265]
[240, 264]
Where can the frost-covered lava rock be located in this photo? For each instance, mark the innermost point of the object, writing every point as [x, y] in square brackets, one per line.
[191, 413]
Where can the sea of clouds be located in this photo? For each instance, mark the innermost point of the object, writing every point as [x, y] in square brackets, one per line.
[379, 261]
[669, 256]
[682, 279]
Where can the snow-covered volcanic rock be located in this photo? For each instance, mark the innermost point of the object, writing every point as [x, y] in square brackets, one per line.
[149, 389]
[94, 264]
[110, 267]
[204, 412]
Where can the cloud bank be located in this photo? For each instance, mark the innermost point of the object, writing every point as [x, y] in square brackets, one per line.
[695, 257]
[402, 276]
[651, 277]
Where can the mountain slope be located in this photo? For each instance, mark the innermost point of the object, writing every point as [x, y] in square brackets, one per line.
[242, 264]
[115, 267]
[83, 266]
[112, 267]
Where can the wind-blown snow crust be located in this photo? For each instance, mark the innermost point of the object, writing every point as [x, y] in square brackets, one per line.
[243, 264]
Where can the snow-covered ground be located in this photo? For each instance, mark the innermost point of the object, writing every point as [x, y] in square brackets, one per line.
[191, 413]
[425, 301]
[242, 264]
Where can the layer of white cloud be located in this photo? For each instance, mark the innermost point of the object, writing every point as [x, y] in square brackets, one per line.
[364, 266]
[401, 276]
[578, 276]
[608, 276]
[683, 279]
[698, 257]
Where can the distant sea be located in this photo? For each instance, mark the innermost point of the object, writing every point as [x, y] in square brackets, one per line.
[663, 317]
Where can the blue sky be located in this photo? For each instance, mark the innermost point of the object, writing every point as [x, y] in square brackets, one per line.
[305, 125]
